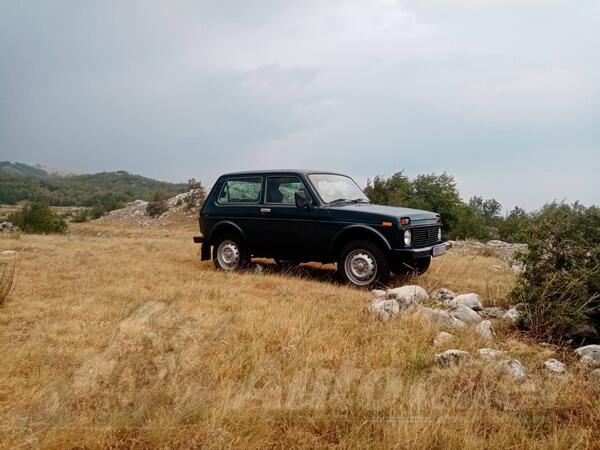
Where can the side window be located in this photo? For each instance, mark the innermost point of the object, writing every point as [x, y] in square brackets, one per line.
[241, 190]
[282, 189]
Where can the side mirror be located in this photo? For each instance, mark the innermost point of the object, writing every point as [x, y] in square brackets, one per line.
[301, 199]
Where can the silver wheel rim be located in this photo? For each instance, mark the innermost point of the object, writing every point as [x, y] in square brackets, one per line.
[228, 255]
[361, 267]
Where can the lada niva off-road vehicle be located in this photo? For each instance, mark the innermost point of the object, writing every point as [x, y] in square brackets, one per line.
[296, 216]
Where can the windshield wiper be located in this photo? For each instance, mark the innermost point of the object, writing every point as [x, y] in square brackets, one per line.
[360, 200]
[339, 200]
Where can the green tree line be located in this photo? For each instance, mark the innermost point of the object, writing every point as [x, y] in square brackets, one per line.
[108, 190]
[477, 218]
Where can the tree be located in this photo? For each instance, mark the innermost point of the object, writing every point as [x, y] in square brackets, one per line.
[38, 218]
[559, 287]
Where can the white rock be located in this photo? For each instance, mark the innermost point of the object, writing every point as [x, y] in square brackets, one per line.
[442, 338]
[485, 329]
[442, 295]
[378, 293]
[512, 315]
[513, 368]
[441, 318]
[9, 253]
[471, 300]
[589, 355]
[464, 314]
[554, 365]
[490, 353]
[451, 358]
[408, 294]
[384, 309]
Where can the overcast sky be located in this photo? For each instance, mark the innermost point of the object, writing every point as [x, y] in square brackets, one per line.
[503, 94]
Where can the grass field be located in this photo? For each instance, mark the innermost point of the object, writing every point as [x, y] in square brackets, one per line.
[120, 337]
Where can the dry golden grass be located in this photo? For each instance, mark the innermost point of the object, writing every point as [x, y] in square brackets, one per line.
[121, 337]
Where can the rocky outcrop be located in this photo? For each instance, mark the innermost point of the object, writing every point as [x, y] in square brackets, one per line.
[408, 295]
[554, 365]
[452, 358]
[512, 368]
[485, 330]
[384, 309]
[6, 227]
[589, 355]
[471, 300]
[442, 295]
[464, 314]
[442, 338]
[136, 212]
[512, 315]
[441, 318]
[491, 353]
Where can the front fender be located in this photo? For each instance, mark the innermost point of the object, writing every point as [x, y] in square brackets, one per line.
[358, 232]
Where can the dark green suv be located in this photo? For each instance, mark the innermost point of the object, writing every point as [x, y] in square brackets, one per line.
[298, 216]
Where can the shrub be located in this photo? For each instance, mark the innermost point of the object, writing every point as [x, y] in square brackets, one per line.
[82, 215]
[560, 285]
[38, 218]
[196, 194]
[7, 279]
[158, 205]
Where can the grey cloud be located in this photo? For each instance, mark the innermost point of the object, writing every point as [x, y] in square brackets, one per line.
[485, 90]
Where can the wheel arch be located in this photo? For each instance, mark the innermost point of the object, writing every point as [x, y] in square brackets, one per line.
[225, 227]
[355, 232]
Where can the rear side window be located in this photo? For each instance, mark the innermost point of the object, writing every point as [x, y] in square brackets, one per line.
[282, 189]
[241, 190]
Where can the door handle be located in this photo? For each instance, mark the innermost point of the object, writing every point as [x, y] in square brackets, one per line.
[265, 210]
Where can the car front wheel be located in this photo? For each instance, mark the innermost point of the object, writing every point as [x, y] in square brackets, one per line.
[230, 253]
[363, 264]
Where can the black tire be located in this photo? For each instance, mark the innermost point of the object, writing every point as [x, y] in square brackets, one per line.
[415, 267]
[364, 254]
[236, 246]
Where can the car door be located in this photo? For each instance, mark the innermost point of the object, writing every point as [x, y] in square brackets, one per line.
[239, 202]
[290, 230]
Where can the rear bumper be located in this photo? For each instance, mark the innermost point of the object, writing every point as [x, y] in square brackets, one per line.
[415, 253]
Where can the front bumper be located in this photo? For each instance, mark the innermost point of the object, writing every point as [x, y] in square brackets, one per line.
[415, 253]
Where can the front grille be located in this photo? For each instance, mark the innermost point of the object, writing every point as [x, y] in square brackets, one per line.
[424, 236]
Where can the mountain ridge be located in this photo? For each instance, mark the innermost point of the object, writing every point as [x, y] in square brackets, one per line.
[22, 182]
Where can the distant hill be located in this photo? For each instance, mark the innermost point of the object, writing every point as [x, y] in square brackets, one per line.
[21, 182]
[39, 170]
[56, 171]
[18, 168]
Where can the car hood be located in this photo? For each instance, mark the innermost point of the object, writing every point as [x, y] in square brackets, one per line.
[378, 211]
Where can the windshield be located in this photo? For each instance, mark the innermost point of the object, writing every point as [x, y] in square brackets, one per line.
[333, 188]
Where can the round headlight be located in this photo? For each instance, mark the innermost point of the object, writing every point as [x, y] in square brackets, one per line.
[407, 238]
[439, 234]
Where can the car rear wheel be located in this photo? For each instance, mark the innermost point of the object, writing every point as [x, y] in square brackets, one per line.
[363, 264]
[230, 253]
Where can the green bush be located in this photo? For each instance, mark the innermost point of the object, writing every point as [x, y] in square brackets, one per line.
[38, 218]
[158, 204]
[82, 215]
[559, 288]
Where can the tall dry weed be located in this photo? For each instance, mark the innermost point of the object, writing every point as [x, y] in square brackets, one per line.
[7, 279]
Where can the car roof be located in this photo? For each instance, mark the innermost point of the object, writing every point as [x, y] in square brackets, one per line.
[281, 172]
